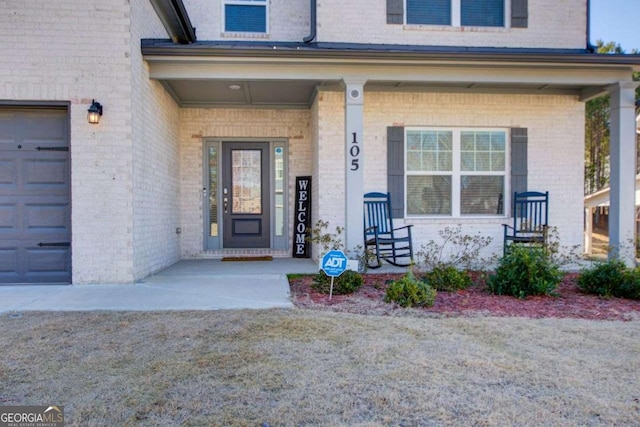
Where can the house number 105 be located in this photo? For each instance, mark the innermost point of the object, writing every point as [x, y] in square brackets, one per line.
[354, 152]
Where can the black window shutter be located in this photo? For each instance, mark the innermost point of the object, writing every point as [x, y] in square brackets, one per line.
[518, 160]
[395, 169]
[395, 11]
[519, 14]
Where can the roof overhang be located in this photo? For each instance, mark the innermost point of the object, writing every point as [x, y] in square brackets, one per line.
[288, 74]
[175, 19]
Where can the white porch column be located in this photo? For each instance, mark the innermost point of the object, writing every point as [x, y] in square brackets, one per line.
[354, 154]
[623, 172]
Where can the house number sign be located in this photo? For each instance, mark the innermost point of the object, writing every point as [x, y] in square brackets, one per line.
[354, 152]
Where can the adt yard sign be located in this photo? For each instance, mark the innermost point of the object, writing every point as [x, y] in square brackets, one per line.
[334, 263]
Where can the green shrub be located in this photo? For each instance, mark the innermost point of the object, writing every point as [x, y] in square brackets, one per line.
[447, 278]
[603, 278]
[347, 283]
[611, 279]
[525, 271]
[408, 292]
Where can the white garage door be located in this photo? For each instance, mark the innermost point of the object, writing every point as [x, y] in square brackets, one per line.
[35, 208]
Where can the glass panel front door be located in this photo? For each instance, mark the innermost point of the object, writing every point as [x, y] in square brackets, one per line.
[245, 195]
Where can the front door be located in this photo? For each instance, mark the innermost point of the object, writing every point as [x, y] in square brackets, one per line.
[245, 195]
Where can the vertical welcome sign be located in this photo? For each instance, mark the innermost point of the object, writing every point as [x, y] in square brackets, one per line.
[302, 218]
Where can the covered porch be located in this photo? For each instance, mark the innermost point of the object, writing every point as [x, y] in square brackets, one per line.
[278, 79]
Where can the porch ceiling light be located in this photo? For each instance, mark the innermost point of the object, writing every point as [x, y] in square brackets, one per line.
[234, 87]
[94, 112]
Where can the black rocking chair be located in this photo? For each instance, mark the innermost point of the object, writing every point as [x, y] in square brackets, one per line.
[530, 220]
[382, 241]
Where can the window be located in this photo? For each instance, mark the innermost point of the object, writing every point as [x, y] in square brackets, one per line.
[455, 172]
[479, 13]
[247, 16]
[429, 12]
[482, 13]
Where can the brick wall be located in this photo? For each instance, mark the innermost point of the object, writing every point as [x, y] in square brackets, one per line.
[288, 20]
[156, 156]
[75, 51]
[552, 24]
[198, 124]
[556, 147]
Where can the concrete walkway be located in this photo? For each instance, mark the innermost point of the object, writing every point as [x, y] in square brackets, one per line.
[187, 285]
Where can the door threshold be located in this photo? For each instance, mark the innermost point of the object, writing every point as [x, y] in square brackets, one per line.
[246, 252]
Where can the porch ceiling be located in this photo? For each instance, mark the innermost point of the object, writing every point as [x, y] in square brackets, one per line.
[288, 77]
[300, 93]
[243, 93]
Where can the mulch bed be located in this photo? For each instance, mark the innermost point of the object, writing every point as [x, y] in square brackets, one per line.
[570, 302]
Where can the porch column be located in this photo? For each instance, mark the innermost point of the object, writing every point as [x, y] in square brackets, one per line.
[623, 172]
[354, 154]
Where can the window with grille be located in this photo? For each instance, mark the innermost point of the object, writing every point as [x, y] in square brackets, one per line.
[455, 172]
[478, 13]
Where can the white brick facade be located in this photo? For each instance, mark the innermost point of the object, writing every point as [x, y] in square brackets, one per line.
[552, 24]
[137, 177]
[78, 51]
[288, 21]
[556, 141]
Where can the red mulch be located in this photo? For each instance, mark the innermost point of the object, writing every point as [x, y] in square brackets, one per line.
[474, 301]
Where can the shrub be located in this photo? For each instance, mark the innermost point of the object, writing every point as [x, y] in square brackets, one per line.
[525, 271]
[603, 278]
[347, 283]
[447, 278]
[456, 249]
[611, 279]
[408, 292]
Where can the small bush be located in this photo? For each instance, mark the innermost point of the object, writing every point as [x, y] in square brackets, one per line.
[525, 271]
[347, 283]
[447, 278]
[611, 279]
[408, 292]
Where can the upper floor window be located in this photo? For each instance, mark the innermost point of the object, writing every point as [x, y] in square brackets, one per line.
[246, 16]
[480, 13]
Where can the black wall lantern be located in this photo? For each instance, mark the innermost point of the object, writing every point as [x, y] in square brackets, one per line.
[94, 112]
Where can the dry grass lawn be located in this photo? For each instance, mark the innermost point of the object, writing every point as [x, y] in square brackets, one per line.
[300, 367]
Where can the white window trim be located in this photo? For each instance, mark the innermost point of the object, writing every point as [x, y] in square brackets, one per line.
[456, 172]
[223, 3]
[456, 16]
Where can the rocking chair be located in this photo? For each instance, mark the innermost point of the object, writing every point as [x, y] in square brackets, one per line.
[530, 220]
[382, 241]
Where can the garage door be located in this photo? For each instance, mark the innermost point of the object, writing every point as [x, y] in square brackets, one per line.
[35, 209]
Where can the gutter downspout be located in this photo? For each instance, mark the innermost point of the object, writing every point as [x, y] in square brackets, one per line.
[590, 48]
[312, 34]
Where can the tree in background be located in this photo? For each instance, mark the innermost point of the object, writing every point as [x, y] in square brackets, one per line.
[597, 136]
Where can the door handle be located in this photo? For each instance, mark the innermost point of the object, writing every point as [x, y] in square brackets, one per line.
[225, 203]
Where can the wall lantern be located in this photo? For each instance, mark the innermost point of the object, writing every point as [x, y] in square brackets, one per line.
[94, 112]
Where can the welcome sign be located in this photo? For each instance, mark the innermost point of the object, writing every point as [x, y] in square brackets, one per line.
[302, 218]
